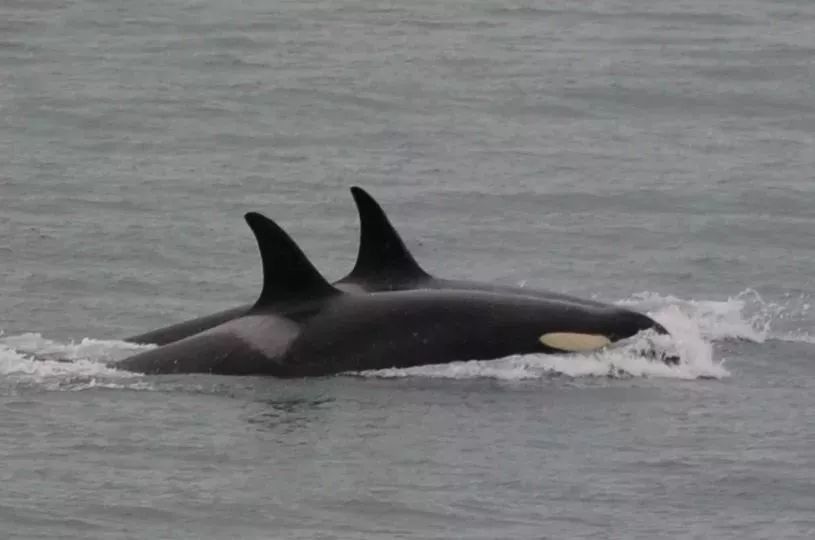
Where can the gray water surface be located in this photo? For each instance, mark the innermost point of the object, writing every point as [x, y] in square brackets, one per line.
[659, 155]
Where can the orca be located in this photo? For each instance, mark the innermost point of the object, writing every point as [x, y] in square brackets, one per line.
[303, 326]
[383, 263]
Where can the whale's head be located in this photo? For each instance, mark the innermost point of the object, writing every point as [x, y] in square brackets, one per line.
[597, 331]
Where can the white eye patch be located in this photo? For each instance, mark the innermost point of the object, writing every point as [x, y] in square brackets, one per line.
[574, 342]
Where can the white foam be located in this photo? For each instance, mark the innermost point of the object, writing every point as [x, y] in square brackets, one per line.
[87, 348]
[31, 359]
[745, 316]
[796, 337]
[716, 319]
[625, 361]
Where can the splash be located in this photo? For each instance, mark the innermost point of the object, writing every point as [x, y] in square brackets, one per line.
[30, 360]
[797, 336]
[746, 316]
[624, 361]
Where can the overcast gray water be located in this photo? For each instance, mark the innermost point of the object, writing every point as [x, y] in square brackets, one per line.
[658, 155]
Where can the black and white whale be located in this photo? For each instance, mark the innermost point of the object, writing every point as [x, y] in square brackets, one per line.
[383, 263]
[303, 326]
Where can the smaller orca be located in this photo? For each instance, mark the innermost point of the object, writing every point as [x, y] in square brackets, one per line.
[303, 326]
[383, 263]
[174, 332]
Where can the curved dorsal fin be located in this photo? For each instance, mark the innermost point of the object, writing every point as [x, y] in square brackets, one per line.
[287, 272]
[382, 253]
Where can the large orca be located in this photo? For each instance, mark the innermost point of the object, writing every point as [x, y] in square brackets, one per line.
[303, 326]
[383, 263]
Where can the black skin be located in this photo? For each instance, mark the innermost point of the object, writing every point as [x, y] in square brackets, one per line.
[303, 326]
[175, 332]
[345, 332]
[383, 264]
[404, 329]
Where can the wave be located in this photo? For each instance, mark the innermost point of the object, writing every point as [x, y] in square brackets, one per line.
[30, 360]
[745, 316]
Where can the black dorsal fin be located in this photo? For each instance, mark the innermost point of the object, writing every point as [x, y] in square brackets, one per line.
[287, 272]
[382, 253]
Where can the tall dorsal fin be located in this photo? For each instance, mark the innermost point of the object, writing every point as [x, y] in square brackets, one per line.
[287, 272]
[382, 253]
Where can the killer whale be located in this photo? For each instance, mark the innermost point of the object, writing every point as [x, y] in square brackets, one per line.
[303, 326]
[384, 263]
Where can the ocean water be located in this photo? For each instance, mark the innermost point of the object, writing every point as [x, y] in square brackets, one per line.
[657, 155]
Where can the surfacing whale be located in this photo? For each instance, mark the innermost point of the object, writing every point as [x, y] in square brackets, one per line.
[383, 263]
[303, 326]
